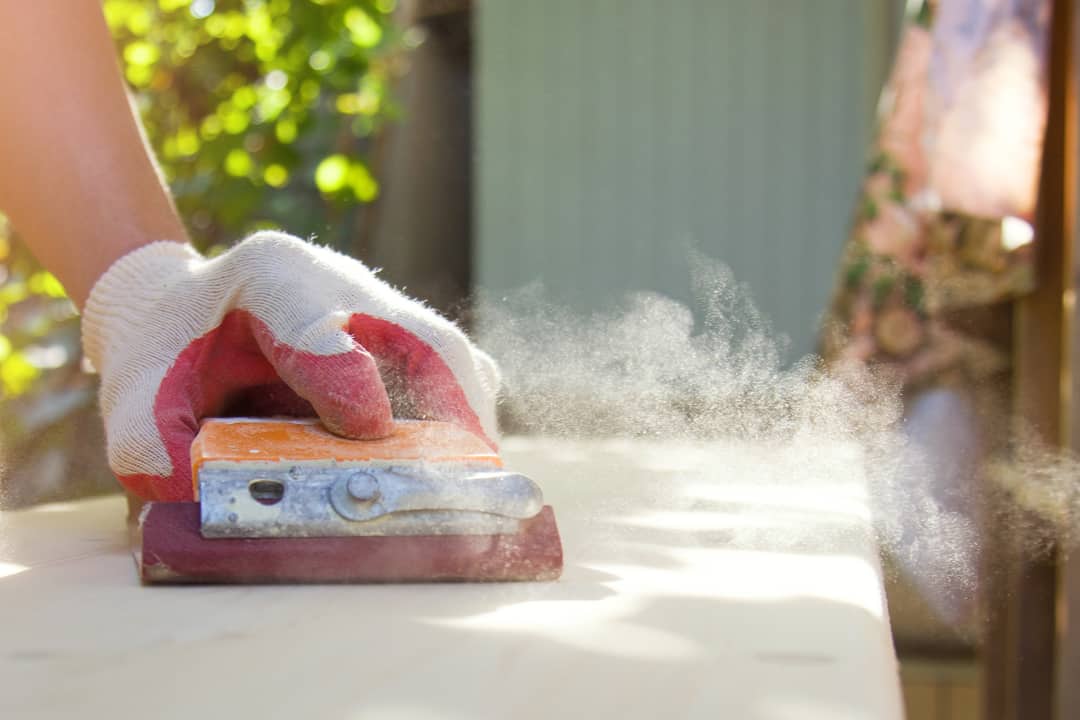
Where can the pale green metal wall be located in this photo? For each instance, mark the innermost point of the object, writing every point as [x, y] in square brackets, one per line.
[613, 134]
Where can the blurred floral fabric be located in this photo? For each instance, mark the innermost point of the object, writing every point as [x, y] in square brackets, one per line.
[943, 221]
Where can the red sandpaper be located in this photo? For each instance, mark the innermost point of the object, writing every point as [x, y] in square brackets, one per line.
[174, 551]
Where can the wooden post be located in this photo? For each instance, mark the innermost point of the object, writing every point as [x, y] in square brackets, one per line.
[421, 229]
[1022, 639]
[1068, 605]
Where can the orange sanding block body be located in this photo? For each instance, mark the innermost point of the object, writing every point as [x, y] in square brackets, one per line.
[433, 504]
[255, 442]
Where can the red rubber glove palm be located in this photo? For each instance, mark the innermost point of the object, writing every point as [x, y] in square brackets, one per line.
[273, 326]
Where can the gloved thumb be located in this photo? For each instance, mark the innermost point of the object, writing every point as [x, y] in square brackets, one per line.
[343, 387]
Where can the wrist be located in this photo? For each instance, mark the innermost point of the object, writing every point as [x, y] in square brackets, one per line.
[137, 280]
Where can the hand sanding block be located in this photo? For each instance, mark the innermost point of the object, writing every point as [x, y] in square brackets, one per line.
[284, 500]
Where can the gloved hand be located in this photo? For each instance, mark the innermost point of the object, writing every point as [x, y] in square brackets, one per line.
[273, 326]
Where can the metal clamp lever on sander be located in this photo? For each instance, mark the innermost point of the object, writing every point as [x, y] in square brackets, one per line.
[342, 500]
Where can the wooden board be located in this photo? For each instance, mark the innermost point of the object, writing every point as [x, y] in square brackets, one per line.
[700, 582]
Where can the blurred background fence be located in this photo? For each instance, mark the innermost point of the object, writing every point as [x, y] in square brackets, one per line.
[584, 145]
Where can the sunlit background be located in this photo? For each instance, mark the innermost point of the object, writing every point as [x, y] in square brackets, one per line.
[596, 163]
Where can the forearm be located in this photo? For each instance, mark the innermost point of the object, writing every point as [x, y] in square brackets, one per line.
[76, 177]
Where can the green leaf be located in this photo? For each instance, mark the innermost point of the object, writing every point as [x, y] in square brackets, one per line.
[332, 173]
[187, 142]
[141, 53]
[363, 185]
[238, 163]
[365, 32]
[870, 208]
[275, 175]
[856, 271]
[45, 283]
[915, 294]
[17, 374]
[883, 287]
[285, 130]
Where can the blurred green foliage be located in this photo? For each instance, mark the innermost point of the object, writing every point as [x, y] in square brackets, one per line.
[262, 114]
[262, 111]
[43, 391]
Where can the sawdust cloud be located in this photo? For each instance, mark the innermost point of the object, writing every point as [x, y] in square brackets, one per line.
[1046, 483]
[653, 368]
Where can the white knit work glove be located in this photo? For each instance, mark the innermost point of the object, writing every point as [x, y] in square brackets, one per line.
[273, 326]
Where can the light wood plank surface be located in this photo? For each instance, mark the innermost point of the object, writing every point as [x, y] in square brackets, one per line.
[701, 582]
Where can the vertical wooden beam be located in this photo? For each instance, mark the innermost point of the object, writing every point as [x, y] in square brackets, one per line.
[1068, 606]
[1022, 639]
[421, 229]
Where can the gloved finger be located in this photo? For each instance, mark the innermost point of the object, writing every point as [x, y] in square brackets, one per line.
[451, 384]
[344, 387]
[156, 466]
